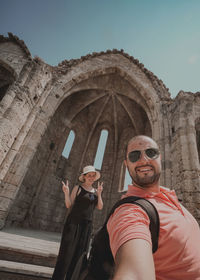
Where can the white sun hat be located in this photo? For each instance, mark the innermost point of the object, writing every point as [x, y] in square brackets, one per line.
[87, 169]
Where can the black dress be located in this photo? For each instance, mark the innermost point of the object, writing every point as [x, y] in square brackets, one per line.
[76, 234]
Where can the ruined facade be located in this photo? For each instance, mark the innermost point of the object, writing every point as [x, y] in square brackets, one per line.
[40, 105]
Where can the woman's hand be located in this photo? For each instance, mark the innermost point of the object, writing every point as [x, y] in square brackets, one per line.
[99, 191]
[65, 187]
[99, 188]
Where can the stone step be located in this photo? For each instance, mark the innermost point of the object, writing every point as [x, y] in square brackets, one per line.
[20, 271]
[28, 250]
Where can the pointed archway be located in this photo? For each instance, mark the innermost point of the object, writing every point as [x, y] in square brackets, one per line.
[110, 91]
[114, 105]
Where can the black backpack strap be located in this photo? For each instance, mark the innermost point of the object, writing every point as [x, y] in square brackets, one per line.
[101, 263]
[151, 211]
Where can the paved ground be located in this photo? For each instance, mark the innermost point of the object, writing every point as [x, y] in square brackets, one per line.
[50, 236]
[22, 250]
[26, 269]
[33, 245]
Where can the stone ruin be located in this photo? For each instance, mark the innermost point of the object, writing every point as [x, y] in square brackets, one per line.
[41, 104]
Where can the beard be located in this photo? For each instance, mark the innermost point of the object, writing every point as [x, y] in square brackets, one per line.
[147, 180]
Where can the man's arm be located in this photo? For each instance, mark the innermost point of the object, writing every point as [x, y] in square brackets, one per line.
[134, 261]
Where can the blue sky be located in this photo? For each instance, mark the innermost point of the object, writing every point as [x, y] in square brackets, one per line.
[164, 35]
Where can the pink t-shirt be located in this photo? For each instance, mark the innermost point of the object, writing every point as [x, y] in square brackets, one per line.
[178, 254]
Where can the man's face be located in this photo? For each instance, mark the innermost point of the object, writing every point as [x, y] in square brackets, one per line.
[145, 172]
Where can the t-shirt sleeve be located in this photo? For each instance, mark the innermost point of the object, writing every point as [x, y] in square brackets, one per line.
[129, 221]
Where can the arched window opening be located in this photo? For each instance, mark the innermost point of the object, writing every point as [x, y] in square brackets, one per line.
[68, 144]
[125, 179]
[6, 79]
[101, 149]
[3, 90]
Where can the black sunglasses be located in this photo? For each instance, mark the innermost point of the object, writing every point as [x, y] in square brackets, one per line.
[151, 153]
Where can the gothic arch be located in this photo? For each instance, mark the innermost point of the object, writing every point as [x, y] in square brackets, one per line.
[111, 92]
[150, 93]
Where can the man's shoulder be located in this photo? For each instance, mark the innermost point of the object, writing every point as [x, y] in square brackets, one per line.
[128, 210]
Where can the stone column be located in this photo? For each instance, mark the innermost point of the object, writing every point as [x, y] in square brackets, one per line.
[15, 124]
[184, 153]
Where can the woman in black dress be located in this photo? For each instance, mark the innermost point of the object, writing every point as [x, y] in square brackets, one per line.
[78, 226]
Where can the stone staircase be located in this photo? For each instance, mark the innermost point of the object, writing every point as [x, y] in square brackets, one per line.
[26, 258]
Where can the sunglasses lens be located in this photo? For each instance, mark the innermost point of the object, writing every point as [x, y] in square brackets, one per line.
[152, 153]
[134, 156]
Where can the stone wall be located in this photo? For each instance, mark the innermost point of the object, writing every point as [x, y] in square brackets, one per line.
[108, 90]
[185, 155]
